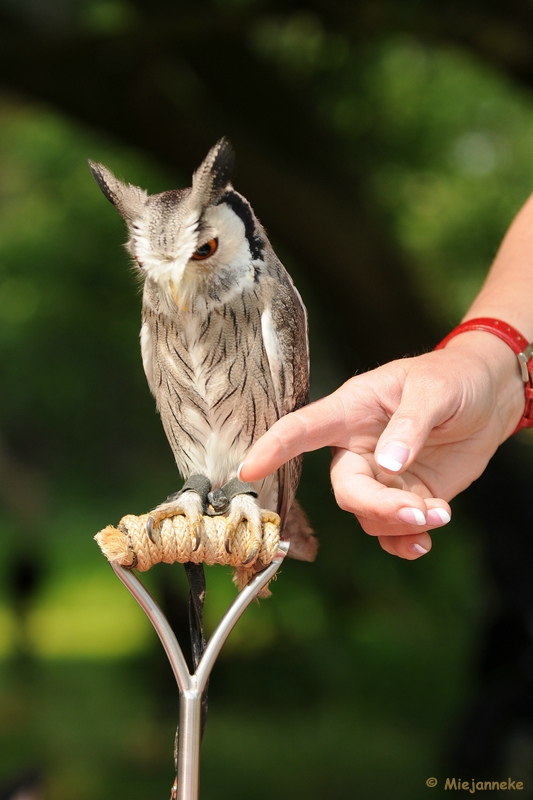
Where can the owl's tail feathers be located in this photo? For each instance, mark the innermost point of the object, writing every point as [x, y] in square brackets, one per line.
[303, 542]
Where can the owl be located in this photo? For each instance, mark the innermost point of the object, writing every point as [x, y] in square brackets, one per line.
[224, 345]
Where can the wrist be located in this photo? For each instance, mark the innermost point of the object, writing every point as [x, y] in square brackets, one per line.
[501, 372]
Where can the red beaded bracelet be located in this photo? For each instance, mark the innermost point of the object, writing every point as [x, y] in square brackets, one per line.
[517, 343]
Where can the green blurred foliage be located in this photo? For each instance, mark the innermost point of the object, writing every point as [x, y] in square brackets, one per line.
[348, 681]
[446, 143]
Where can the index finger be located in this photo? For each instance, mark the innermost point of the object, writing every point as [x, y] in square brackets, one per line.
[319, 424]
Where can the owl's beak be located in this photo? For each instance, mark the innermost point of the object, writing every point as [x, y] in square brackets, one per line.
[176, 297]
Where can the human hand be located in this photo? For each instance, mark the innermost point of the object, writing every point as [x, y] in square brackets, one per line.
[406, 437]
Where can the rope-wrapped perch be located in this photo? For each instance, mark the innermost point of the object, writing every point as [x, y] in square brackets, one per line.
[130, 545]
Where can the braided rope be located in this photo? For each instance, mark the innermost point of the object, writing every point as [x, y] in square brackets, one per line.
[130, 545]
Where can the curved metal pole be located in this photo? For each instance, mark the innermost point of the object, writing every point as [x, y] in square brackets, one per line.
[160, 623]
[191, 687]
[233, 614]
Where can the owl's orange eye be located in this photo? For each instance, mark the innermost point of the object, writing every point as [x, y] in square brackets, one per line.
[205, 250]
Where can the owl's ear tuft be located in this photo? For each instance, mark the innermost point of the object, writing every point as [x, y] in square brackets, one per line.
[214, 174]
[223, 162]
[127, 199]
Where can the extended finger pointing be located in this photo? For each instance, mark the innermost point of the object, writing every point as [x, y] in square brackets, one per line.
[319, 424]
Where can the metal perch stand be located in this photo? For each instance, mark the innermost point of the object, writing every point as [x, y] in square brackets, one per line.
[191, 687]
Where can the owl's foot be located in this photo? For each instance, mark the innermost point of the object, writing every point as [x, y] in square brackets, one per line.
[244, 508]
[190, 502]
[239, 500]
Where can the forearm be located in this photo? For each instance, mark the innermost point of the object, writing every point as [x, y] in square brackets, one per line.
[507, 293]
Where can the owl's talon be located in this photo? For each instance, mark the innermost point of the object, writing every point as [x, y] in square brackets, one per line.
[190, 503]
[229, 541]
[228, 544]
[150, 529]
[198, 539]
[254, 552]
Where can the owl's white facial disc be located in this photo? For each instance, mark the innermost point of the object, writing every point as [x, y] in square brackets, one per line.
[162, 252]
[186, 282]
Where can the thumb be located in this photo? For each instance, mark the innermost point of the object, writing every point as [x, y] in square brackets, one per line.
[410, 426]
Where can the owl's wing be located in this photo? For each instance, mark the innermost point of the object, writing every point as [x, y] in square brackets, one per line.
[284, 329]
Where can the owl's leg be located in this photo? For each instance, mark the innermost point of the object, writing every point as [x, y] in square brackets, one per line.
[239, 499]
[190, 502]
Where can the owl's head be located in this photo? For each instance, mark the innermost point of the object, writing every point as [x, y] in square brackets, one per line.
[201, 242]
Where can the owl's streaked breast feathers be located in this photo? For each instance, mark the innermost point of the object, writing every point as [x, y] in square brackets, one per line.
[224, 330]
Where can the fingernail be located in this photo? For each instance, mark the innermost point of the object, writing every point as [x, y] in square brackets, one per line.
[418, 549]
[413, 516]
[239, 471]
[393, 456]
[438, 516]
